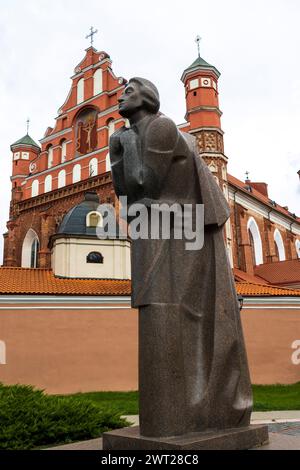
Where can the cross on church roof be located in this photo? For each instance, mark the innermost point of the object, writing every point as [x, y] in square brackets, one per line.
[247, 175]
[27, 124]
[197, 41]
[91, 35]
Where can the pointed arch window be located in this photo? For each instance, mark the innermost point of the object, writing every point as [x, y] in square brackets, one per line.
[30, 250]
[255, 241]
[297, 244]
[279, 245]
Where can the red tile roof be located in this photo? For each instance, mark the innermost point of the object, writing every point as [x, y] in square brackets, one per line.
[282, 272]
[248, 289]
[261, 197]
[23, 281]
[241, 276]
[43, 282]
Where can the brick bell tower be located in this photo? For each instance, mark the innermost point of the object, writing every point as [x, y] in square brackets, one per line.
[24, 153]
[203, 117]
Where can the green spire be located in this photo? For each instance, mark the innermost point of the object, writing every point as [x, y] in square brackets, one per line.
[201, 63]
[26, 140]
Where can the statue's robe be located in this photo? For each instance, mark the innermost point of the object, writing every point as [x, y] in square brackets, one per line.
[193, 371]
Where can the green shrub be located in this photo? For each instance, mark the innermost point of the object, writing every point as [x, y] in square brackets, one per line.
[29, 418]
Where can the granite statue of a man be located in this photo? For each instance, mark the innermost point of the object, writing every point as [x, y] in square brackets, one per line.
[193, 371]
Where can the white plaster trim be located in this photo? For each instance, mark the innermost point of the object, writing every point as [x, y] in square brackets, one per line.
[207, 129]
[260, 208]
[185, 124]
[271, 300]
[270, 307]
[52, 136]
[108, 111]
[62, 165]
[58, 307]
[63, 300]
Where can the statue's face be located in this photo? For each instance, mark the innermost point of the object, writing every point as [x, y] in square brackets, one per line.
[131, 100]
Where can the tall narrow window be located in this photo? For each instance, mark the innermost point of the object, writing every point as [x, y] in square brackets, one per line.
[76, 173]
[107, 163]
[98, 81]
[34, 253]
[61, 179]
[297, 244]
[255, 241]
[30, 250]
[279, 245]
[35, 188]
[2, 353]
[111, 127]
[63, 151]
[48, 183]
[93, 167]
[50, 156]
[80, 91]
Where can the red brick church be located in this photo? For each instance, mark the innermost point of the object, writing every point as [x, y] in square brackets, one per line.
[48, 181]
[54, 263]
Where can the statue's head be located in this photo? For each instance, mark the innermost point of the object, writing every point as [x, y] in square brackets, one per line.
[139, 94]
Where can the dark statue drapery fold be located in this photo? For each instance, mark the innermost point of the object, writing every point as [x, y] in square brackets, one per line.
[193, 371]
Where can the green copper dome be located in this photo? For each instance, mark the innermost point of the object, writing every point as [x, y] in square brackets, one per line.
[26, 140]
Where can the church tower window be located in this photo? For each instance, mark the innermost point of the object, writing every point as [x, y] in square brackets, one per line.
[98, 82]
[50, 156]
[63, 151]
[298, 248]
[80, 91]
[94, 257]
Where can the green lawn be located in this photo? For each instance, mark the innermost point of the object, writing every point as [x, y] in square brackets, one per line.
[276, 397]
[266, 398]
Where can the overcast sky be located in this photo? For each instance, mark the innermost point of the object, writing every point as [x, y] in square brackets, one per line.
[254, 43]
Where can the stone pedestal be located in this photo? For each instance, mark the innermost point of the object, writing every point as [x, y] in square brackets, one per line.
[229, 439]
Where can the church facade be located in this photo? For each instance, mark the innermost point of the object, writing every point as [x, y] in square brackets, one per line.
[49, 180]
[66, 321]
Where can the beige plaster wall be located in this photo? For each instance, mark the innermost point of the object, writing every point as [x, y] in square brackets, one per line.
[65, 351]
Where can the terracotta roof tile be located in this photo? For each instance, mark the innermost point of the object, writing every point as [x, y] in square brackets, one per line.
[42, 281]
[257, 195]
[22, 281]
[249, 289]
[282, 272]
[241, 276]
